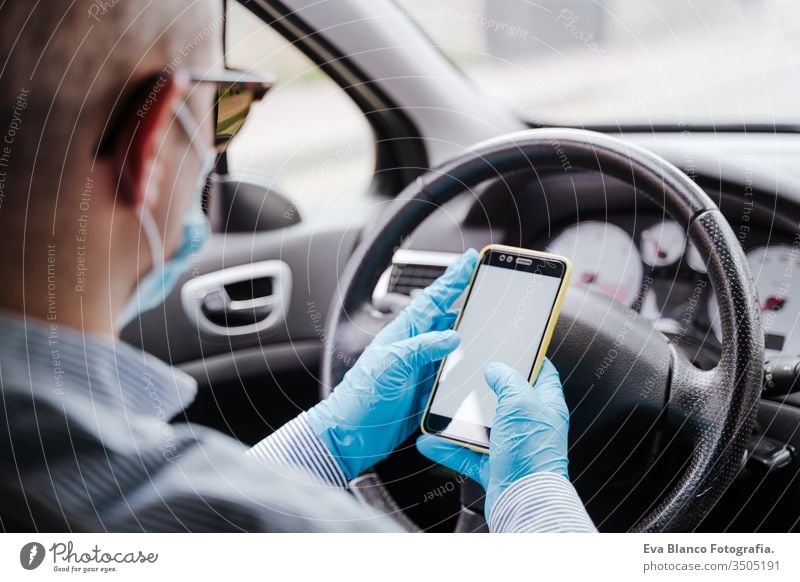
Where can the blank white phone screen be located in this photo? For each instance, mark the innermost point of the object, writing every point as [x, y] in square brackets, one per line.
[503, 320]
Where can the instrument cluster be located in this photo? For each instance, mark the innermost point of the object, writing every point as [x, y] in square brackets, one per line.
[653, 268]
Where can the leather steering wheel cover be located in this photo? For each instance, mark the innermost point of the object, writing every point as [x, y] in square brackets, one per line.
[716, 408]
[718, 405]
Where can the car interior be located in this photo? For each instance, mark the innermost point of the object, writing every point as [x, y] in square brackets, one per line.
[341, 202]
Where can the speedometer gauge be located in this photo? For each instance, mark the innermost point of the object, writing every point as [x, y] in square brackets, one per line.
[603, 257]
[773, 270]
[663, 243]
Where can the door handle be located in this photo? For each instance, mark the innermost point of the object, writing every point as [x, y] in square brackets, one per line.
[220, 309]
[239, 300]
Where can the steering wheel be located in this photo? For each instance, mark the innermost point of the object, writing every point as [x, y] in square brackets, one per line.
[654, 440]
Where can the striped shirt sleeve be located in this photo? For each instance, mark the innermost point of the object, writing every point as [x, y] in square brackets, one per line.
[542, 502]
[296, 445]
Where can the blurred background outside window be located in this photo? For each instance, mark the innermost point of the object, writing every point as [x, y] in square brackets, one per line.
[570, 62]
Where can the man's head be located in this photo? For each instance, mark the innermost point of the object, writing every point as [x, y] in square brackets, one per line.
[93, 89]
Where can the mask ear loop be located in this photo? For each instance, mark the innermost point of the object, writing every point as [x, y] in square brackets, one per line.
[146, 219]
[191, 129]
[152, 235]
[153, 238]
[207, 155]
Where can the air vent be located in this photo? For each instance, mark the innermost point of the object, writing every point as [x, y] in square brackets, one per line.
[411, 270]
[405, 278]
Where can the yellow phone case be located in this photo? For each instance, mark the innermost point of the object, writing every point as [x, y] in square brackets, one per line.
[548, 332]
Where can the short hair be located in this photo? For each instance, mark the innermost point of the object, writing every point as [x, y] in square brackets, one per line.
[68, 62]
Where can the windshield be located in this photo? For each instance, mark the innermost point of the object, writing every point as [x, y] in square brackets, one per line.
[583, 62]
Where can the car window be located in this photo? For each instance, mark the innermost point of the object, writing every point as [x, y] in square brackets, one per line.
[307, 138]
[580, 62]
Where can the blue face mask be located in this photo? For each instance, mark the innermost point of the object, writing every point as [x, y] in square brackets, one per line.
[157, 284]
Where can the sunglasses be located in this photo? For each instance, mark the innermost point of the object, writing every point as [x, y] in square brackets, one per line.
[237, 91]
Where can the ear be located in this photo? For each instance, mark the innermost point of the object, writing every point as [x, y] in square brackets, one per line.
[144, 125]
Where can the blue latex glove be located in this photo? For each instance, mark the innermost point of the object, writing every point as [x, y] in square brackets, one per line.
[381, 398]
[529, 434]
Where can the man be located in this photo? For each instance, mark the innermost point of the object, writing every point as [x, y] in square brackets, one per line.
[103, 167]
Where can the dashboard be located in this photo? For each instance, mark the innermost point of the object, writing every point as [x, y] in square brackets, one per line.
[646, 263]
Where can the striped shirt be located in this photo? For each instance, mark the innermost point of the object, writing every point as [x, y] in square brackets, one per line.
[86, 445]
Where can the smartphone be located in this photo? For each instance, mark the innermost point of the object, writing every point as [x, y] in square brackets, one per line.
[508, 314]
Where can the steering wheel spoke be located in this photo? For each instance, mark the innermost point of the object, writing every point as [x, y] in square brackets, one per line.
[690, 402]
[356, 333]
[614, 367]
